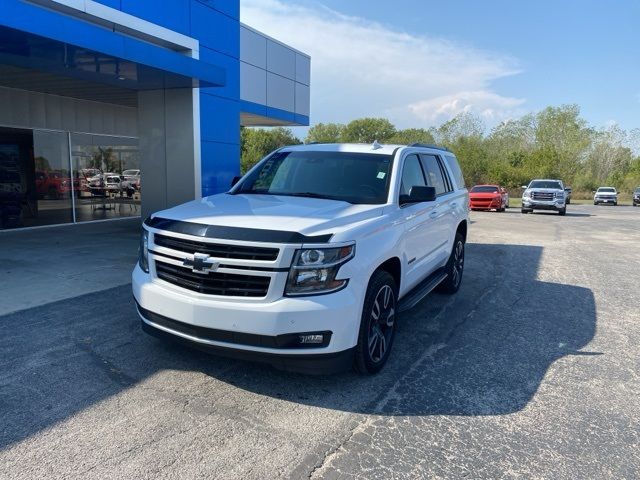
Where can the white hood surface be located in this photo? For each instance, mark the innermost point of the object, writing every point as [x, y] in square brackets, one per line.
[307, 216]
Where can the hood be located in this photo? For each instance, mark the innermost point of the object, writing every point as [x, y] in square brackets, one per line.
[545, 190]
[308, 216]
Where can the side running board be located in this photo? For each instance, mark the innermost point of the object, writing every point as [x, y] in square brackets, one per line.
[421, 290]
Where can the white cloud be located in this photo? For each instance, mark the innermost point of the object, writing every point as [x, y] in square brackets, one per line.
[363, 68]
[490, 106]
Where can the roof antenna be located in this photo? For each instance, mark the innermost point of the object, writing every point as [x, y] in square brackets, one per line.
[375, 145]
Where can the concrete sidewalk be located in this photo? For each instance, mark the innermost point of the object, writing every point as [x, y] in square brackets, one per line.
[44, 265]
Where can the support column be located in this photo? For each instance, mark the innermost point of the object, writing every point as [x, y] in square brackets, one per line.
[167, 148]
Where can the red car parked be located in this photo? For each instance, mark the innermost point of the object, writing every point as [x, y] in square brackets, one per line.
[488, 197]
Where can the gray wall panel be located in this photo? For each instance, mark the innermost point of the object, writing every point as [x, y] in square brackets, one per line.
[37, 115]
[68, 114]
[303, 69]
[273, 74]
[53, 111]
[153, 160]
[179, 146]
[19, 107]
[302, 99]
[281, 60]
[280, 92]
[41, 110]
[253, 86]
[165, 124]
[253, 48]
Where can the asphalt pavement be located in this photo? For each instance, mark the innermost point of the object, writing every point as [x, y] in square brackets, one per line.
[531, 371]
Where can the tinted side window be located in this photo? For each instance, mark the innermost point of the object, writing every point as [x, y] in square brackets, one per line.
[434, 174]
[412, 175]
[454, 168]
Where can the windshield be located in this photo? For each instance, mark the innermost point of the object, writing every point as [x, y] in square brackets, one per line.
[484, 189]
[606, 190]
[545, 184]
[346, 176]
[130, 172]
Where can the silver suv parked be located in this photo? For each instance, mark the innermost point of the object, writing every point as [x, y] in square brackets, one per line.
[544, 194]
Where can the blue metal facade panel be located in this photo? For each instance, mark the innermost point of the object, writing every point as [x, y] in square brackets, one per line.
[214, 23]
[172, 14]
[220, 163]
[214, 29]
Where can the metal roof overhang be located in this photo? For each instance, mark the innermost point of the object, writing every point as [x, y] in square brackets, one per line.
[36, 38]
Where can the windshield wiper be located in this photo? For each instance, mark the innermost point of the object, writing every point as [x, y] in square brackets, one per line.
[313, 195]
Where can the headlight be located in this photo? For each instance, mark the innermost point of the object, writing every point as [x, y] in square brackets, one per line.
[559, 195]
[314, 270]
[526, 194]
[143, 251]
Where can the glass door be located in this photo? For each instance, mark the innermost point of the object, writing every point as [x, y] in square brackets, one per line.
[107, 172]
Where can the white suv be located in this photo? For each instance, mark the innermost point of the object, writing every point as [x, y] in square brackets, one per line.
[306, 262]
[606, 195]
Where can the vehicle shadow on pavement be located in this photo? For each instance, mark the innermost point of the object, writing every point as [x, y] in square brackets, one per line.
[484, 351]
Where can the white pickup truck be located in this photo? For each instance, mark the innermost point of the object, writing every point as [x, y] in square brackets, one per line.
[309, 258]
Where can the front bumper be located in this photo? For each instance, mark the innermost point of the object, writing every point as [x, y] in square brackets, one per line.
[314, 364]
[485, 205]
[605, 200]
[249, 327]
[543, 205]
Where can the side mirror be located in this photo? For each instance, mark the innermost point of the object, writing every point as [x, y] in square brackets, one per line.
[235, 180]
[524, 187]
[419, 195]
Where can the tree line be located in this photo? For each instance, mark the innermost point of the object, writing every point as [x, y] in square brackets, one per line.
[553, 143]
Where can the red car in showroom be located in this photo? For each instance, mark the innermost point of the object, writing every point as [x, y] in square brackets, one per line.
[488, 197]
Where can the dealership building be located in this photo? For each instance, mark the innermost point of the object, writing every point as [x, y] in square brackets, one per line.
[117, 108]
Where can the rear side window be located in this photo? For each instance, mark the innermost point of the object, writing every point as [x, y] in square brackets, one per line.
[454, 168]
[412, 175]
[435, 177]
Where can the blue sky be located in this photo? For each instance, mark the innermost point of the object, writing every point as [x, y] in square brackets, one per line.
[421, 62]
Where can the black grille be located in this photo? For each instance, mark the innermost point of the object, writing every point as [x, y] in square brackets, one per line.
[214, 283]
[542, 195]
[216, 250]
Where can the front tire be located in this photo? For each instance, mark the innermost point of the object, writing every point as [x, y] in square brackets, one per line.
[377, 325]
[563, 211]
[454, 267]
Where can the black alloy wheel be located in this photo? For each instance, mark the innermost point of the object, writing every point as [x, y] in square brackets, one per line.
[454, 267]
[378, 324]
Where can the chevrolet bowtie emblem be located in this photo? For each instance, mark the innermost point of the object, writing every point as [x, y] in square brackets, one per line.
[201, 263]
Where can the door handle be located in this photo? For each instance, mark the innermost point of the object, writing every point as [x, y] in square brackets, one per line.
[433, 214]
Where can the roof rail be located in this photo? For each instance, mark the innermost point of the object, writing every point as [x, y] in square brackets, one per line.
[428, 145]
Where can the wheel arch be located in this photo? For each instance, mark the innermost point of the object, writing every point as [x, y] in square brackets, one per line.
[393, 267]
[462, 230]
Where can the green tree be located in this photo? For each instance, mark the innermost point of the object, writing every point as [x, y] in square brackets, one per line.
[256, 143]
[325, 133]
[367, 130]
[411, 135]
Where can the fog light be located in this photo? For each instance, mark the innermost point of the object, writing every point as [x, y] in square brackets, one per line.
[311, 338]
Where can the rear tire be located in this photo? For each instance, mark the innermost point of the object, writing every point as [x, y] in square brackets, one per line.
[454, 267]
[377, 325]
